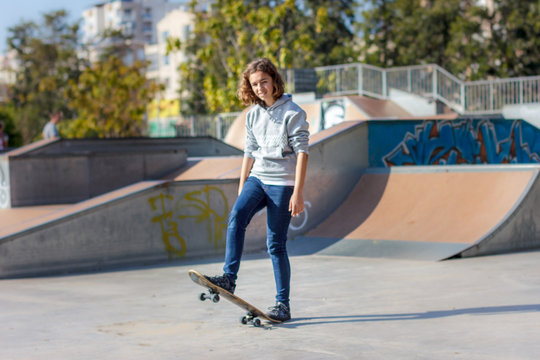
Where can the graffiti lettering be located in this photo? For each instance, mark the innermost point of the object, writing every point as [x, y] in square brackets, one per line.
[207, 208]
[461, 142]
[169, 228]
[210, 206]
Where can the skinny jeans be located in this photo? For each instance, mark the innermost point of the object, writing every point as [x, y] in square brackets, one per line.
[254, 197]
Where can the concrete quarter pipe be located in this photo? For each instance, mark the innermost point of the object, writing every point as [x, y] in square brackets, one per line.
[435, 213]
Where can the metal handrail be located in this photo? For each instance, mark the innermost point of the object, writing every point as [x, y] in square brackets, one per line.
[429, 80]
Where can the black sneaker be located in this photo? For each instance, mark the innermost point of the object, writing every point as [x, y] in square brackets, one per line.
[280, 312]
[223, 282]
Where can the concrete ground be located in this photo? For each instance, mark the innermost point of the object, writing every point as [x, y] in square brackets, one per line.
[343, 308]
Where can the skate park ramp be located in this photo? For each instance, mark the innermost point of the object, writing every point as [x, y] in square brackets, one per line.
[433, 213]
[180, 217]
[415, 212]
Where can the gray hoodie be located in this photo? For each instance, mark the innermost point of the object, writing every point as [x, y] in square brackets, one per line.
[273, 138]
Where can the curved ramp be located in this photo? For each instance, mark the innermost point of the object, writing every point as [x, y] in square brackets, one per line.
[435, 214]
[183, 216]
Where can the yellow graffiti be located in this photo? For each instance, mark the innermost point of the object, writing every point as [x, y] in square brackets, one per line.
[169, 228]
[215, 219]
[208, 207]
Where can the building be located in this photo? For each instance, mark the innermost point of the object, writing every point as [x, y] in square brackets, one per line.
[164, 113]
[149, 23]
[135, 18]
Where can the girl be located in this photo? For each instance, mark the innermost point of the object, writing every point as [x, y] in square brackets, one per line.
[272, 175]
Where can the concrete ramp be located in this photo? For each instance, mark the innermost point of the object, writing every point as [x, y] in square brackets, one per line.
[434, 213]
[182, 216]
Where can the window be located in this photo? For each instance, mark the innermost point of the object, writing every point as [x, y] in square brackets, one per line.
[164, 36]
[185, 31]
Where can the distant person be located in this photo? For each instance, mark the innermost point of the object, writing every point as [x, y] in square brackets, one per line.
[3, 137]
[50, 131]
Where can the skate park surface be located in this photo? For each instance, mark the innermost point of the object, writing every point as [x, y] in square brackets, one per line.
[366, 280]
[342, 308]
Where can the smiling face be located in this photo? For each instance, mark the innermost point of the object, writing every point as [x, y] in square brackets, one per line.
[263, 86]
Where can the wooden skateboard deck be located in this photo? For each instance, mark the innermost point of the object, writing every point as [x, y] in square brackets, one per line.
[215, 292]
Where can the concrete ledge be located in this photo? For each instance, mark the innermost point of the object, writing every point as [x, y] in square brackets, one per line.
[163, 222]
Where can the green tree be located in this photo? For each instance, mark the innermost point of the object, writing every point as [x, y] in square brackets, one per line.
[378, 44]
[7, 117]
[463, 37]
[234, 32]
[514, 38]
[47, 59]
[409, 32]
[110, 100]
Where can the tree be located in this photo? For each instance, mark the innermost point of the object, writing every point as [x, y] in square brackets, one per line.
[463, 37]
[377, 31]
[6, 116]
[234, 32]
[47, 60]
[110, 100]
[409, 32]
[514, 38]
[332, 24]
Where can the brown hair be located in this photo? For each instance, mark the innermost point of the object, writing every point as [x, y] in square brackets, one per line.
[245, 92]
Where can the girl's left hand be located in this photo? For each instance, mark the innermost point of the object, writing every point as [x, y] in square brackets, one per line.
[296, 204]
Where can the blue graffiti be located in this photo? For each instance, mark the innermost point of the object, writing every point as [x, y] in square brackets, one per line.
[461, 142]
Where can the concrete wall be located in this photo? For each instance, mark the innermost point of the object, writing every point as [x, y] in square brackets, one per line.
[163, 222]
[68, 178]
[336, 162]
[195, 146]
[68, 171]
[159, 221]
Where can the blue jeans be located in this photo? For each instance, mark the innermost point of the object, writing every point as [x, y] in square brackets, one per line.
[254, 197]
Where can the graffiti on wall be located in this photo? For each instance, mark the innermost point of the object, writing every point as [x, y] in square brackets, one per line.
[466, 142]
[206, 208]
[210, 208]
[174, 243]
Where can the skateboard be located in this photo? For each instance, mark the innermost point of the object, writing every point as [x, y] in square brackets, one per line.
[214, 293]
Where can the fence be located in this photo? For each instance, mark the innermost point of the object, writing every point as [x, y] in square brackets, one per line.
[432, 81]
[216, 126]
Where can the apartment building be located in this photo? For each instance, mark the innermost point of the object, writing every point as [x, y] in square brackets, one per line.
[164, 112]
[135, 18]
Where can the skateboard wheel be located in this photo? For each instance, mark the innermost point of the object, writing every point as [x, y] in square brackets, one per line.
[244, 320]
[215, 298]
[256, 322]
[202, 297]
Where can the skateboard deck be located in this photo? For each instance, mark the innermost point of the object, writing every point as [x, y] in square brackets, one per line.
[214, 292]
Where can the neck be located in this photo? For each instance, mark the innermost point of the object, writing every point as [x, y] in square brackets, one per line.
[270, 102]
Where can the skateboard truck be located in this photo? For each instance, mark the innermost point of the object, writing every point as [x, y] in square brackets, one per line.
[250, 318]
[210, 295]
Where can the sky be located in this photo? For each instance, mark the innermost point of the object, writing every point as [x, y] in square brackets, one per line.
[13, 11]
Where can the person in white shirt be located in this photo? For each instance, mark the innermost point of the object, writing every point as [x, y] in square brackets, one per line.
[50, 131]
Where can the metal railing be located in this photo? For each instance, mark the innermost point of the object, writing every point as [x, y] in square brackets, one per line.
[432, 81]
[216, 126]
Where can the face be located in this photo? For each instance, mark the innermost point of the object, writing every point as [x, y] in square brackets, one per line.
[56, 118]
[263, 86]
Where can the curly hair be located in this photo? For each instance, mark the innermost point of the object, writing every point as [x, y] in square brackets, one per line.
[245, 92]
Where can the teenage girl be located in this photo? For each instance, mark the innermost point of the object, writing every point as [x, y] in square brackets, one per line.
[272, 176]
